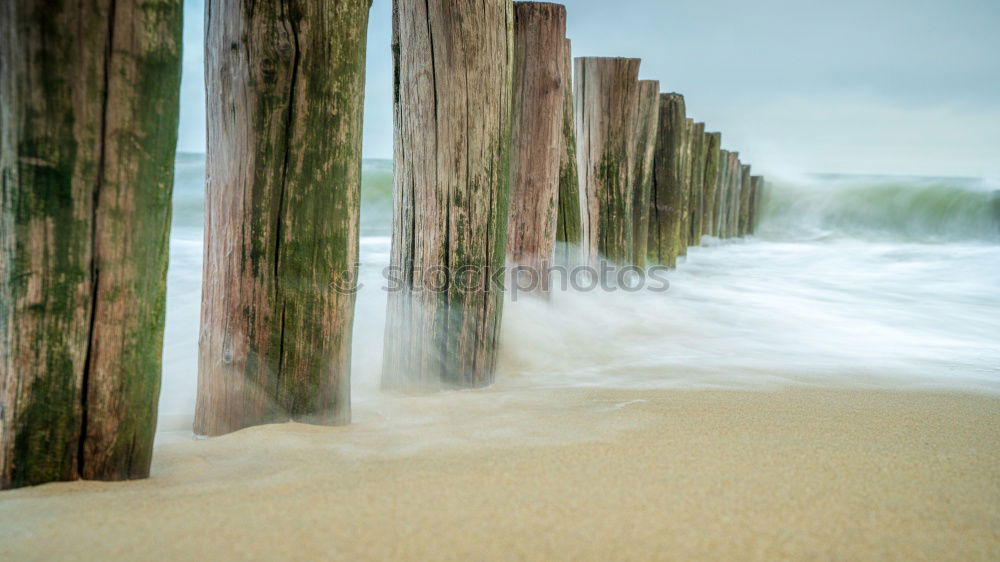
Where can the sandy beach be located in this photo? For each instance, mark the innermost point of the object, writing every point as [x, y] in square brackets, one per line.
[800, 473]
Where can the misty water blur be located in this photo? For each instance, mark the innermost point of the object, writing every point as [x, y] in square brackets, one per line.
[852, 281]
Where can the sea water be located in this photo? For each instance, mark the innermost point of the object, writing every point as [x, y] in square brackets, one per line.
[850, 281]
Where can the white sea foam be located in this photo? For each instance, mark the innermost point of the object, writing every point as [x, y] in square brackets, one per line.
[871, 282]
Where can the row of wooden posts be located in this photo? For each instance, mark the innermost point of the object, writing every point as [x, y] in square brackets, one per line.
[497, 159]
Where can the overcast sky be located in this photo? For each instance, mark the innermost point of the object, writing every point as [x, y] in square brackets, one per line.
[864, 86]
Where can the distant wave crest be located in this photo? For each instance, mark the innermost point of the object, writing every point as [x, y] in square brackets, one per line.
[875, 208]
[883, 208]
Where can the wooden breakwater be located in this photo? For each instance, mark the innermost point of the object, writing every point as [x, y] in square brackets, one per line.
[503, 154]
[617, 171]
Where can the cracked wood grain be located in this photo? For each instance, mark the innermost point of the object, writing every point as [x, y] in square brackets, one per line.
[696, 146]
[89, 99]
[569, 229]
[285, 83]
[606, 94]
[648, 119]
[453, 62]
[713, 142]
[537, 142]
[667, 199]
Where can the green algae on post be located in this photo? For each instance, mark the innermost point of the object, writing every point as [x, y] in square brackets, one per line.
[697, 203]
[285, 103]
[756, 192]
[87, 161]
[684, 227]
[648, 116]
[569, 231]
[606, 93]
[733, 195]
[721, 197]
[666, 200]
[710, 209]
[746, 187]
[452, 111]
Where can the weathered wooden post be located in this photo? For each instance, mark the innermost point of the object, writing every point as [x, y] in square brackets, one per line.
[607, 91]
[737, 189]
[453, 85]
[756, 186]
[648, 117]
[536, 138]
[698, 147]
[746, 187]
[713, 142]
[568, 229]
[89, 98]
[727, 197]
[733, 204]
[722, 194]
[668, 182]
[684, 233]
[285, 98]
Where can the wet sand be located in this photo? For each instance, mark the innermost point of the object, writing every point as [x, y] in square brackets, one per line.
[558, 474]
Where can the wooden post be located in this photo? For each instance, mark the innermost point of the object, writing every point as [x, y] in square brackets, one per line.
[648, 119]
[89, 98]
[734, 227]
[698, 147]
[684, 234]
[453, 85]
[746, 187]
[727, 197]
[607, 91]
[756, 184]
[285, 97]
[733, 204]
[536, 137]
[668, 182]
[713, 141]
[722, 194]
[568, 229]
